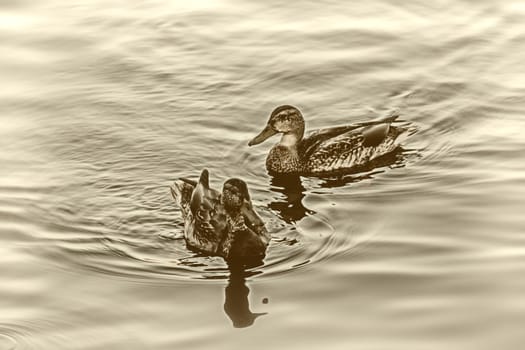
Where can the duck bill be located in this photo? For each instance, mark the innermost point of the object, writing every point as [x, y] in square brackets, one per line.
[266, 133]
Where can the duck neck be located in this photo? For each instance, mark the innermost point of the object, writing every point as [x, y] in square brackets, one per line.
[235, 220]
[231, 209]
[292, 138]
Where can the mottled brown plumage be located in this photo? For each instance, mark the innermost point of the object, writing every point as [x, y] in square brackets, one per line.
[325, 150]
[223, 224]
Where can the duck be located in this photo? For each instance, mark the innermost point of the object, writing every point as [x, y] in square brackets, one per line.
[221, 223]
[327, 150]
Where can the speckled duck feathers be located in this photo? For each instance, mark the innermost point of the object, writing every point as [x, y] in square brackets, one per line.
[325, 150]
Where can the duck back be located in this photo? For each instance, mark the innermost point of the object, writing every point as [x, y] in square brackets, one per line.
[181, 193]
[351, 149]
[247, 248]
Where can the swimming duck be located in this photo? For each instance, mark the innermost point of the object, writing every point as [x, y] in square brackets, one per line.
[324, 150]
[223, 224]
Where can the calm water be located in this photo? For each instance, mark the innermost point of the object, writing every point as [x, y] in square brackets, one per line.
[105, 103]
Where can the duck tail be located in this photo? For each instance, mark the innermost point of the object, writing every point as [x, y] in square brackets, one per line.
[181, 193]
[391, 118]
[403, 132]
[188, 181]
[176, 193]
[205, 179]
[387, 120]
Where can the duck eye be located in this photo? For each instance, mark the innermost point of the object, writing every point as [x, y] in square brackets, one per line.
[232, 189]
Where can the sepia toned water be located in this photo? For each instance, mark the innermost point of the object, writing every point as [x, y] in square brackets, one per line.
[103, 104]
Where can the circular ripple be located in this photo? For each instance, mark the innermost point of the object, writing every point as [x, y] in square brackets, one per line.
[142, 238]
[135, 230]
[165, 255]
[7, 342]
[27, 336]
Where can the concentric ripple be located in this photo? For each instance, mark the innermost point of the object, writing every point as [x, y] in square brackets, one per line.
[142, 236]
[7, 342]
[119, 219]
[163, 254]
[26, 335]
[111, 211]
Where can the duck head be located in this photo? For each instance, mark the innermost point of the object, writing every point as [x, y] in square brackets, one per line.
[236, 200]
[286, 120]
[235, 194]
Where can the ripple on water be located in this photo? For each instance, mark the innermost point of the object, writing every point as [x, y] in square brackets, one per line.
[164, 255]
[118, 218]
[7, 342]
[135, 230]
[146, 240]
[25, 336]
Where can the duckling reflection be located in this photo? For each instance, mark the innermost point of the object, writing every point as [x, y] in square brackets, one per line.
[236, 302]
[291, 209]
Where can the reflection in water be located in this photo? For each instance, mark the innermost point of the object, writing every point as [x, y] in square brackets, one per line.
[394, 159]
[236, 303]
[93, 127]
[291, 208]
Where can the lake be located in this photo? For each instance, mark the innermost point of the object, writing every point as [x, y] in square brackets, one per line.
[105, 103]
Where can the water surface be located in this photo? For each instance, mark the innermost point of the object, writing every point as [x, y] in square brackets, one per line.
[105, 103]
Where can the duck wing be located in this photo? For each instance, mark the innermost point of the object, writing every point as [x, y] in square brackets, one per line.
[310, 143]
[203, 197]
[254, 222]
[181, 192]
[246, 248]
[194, 195]
[358, 144]
[204, 221]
